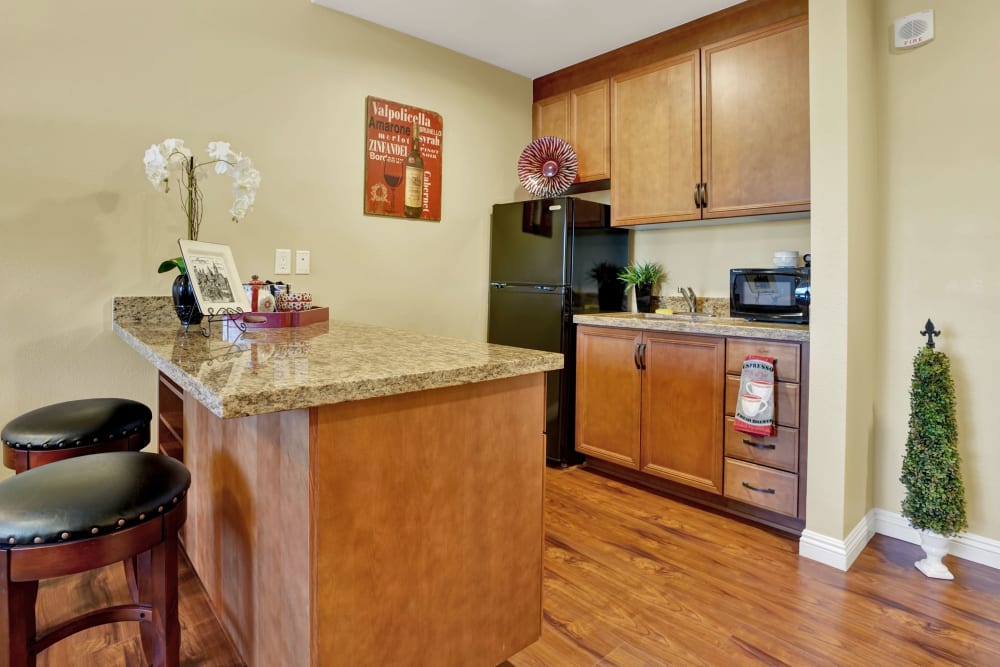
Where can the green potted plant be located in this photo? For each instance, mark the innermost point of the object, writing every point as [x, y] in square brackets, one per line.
[610, 290]
[642, 277]
[931, 473]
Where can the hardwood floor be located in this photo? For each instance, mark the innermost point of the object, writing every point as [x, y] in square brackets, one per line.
[632, 578]
[636, 579]
[203, 642]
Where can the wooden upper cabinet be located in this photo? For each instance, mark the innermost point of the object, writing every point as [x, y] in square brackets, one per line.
[656, 142]
[755, 122]
[590, 131]
[550, 117]
[582, 118]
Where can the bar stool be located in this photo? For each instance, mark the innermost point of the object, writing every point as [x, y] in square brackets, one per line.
[72, 516]
[74, 428]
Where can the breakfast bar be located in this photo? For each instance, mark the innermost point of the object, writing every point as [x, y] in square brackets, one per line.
[360, 495]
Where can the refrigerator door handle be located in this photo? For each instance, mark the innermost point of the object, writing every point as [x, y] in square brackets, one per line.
[498, 285]
[545, 288]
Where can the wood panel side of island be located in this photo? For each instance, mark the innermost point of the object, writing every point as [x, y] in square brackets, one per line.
[427, 530]
[247, 532]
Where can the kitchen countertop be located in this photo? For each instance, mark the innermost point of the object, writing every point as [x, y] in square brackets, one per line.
[269, 370]
[714, 326]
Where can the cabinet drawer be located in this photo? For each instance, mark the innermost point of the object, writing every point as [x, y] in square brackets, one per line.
[786, 366]
[756, 485]
[780, 451]
[786, 404]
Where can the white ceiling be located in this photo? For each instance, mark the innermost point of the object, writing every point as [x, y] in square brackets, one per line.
[529, 37]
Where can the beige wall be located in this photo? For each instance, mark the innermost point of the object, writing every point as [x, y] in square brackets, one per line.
[828, 325]
[940, 145]
[904, 150]
[88, 86]
[700, 256]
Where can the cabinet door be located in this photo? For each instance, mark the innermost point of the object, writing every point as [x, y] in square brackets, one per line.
[607, 394]
[550, 117]
[756, 122]
[682, 399]
[656, 142]
[590, 131]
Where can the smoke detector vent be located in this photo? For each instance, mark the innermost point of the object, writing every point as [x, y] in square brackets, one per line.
[914, 30]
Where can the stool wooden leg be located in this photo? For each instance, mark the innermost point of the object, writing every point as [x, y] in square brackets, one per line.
[163, 564]
[131, 577]
[17, 618]
[141, 566]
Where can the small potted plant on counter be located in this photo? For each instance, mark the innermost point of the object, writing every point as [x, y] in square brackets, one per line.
[642, 277]
[935, 495]
[610, 290]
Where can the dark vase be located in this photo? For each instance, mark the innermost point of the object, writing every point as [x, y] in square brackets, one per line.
[644, 297]
[184, 302]
[610, 296]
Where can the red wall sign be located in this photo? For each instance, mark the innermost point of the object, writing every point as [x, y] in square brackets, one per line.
[402, 160]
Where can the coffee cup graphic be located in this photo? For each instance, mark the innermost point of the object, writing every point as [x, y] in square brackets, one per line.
[760, 388]
[752, 404]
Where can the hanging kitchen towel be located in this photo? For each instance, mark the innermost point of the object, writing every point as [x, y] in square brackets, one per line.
[755, 405]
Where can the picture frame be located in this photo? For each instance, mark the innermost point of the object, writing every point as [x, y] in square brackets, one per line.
[216, 282]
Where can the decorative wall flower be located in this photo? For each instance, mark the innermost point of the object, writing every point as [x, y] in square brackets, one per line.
[171, 161]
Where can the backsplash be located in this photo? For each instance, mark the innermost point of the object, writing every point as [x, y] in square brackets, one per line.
[716, 306]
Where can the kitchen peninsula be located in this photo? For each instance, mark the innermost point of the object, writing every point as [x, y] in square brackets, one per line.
[360, 495]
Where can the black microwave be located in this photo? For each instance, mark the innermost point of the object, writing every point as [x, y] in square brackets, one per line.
[770, 295]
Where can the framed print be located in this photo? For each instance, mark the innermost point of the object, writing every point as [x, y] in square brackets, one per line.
[402, 160]
[216, 282]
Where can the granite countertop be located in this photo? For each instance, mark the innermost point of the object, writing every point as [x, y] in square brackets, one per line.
[714, 326]
[269, 370]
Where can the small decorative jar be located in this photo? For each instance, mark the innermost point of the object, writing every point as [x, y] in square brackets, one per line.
[259, 295]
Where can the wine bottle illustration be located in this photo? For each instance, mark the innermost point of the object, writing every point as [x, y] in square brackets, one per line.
[413, 200]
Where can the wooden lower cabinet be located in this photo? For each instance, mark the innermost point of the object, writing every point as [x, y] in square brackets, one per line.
[656, 408]
[608, 394]
[370, 532]
[652, 402]
[682, 388]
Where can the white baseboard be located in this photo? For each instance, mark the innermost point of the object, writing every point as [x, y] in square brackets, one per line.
[841, 553]
[838, 553]
[976, 548]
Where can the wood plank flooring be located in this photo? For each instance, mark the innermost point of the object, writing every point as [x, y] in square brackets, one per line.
[203, 642]
[634, 579]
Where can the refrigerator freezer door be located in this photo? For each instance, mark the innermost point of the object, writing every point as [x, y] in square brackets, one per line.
[527, 316]
[528, 242]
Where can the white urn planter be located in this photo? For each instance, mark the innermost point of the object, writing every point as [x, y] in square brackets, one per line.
[935, 547]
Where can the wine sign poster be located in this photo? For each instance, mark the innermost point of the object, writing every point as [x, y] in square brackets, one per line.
[402, 160]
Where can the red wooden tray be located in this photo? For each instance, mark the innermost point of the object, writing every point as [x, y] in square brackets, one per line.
[292, 318]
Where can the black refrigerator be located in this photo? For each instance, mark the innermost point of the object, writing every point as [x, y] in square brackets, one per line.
[542, 256]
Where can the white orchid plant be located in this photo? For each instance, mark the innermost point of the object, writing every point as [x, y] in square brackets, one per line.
[172, 160]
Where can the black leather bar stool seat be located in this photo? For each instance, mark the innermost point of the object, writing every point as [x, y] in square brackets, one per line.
[72, 516]
[74, 428]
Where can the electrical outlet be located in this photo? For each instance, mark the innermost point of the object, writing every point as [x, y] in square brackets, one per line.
[282, 261]
[301, 261]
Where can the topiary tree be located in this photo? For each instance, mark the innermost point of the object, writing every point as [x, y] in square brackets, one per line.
[935, 495]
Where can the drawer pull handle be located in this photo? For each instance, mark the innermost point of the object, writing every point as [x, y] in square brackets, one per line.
[754, 488]
[758, 445]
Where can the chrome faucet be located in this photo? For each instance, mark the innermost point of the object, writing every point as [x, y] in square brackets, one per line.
[689, 298]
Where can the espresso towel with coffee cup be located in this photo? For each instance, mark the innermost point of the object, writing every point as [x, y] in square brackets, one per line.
[755, 405]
